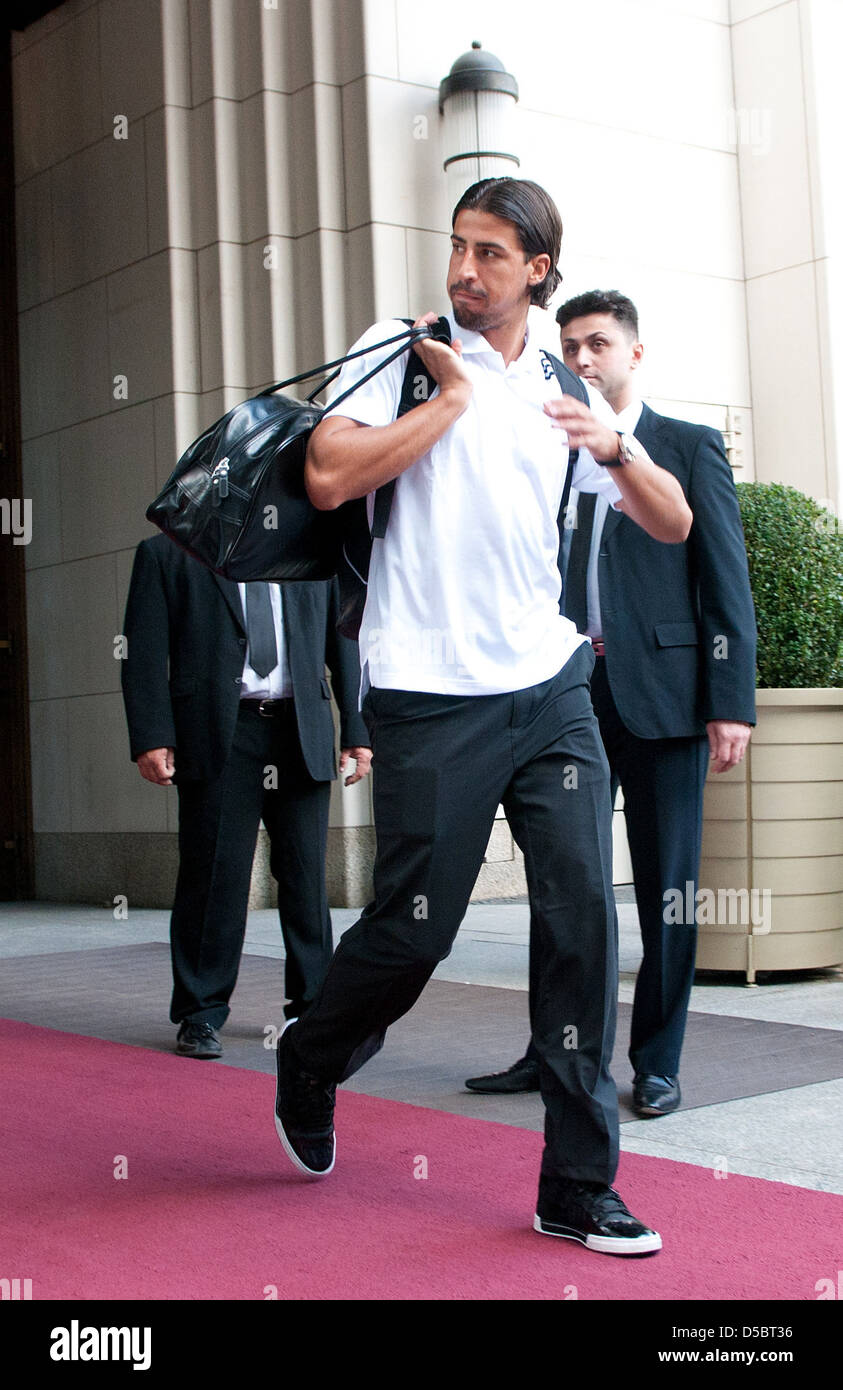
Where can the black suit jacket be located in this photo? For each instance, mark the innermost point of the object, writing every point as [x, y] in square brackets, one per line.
[678, 620]
[186, 642]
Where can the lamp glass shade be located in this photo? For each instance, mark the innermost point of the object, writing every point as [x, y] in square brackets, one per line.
[478, 139]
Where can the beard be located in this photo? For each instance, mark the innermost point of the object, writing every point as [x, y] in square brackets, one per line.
[478, 319]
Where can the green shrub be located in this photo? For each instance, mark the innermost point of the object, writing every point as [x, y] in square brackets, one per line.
[795, 552]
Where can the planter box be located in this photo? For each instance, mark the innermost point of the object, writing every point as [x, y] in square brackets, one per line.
[773, 830]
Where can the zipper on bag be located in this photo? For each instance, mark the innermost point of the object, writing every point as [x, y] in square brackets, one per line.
[219, 480]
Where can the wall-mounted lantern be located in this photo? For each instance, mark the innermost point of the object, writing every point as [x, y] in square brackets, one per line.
[477, 100]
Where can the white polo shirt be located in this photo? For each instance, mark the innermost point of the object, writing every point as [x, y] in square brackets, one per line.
[464, 588]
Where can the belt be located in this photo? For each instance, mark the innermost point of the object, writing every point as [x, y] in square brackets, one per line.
[598, 646]
[268, 709]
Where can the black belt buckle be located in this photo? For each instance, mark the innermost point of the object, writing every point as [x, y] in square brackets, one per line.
[268, 709]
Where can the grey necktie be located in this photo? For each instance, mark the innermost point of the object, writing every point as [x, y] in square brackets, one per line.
[260, 629]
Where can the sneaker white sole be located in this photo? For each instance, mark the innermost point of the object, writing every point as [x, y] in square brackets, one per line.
[287, 1146]
[294, 1158]
[606, 1245]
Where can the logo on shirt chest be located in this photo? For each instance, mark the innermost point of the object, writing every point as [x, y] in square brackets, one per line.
[547, 367]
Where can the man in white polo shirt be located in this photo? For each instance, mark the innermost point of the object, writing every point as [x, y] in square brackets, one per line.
[476, 693]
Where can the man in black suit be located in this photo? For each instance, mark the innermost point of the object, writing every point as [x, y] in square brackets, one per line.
[673, 631]
[226, 696]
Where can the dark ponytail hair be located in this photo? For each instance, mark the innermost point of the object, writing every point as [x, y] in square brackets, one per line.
[533, 214]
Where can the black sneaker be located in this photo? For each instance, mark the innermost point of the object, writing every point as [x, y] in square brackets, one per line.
[198, 1039]
[594, 1215]
[304, 1115]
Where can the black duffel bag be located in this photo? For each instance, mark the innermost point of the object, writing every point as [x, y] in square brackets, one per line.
[236, 499]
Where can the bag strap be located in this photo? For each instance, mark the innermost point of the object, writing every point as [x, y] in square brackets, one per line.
[569, 382]
[409, 334]
[424, 331]
[410, 396]
[571, 385]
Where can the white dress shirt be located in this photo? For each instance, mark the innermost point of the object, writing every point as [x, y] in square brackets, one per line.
[277, 685]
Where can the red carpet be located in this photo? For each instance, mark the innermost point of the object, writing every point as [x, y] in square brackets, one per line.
[211, 1209]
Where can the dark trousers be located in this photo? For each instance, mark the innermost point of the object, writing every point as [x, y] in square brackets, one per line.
[218, 828]
[441, 766]
[662, 781]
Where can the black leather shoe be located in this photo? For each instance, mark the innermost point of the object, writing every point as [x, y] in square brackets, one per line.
[304, 1114]
[523, 1075]
[198, 1039]
[655, 1095]
[593, 1214]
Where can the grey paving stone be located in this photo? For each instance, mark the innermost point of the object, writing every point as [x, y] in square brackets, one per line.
[795, 1137]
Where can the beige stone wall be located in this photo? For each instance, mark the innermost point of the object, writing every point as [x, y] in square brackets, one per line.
[625, 115]
[183, 240]
[787, 82]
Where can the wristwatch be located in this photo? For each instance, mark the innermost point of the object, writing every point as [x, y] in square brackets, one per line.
[627, 452]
